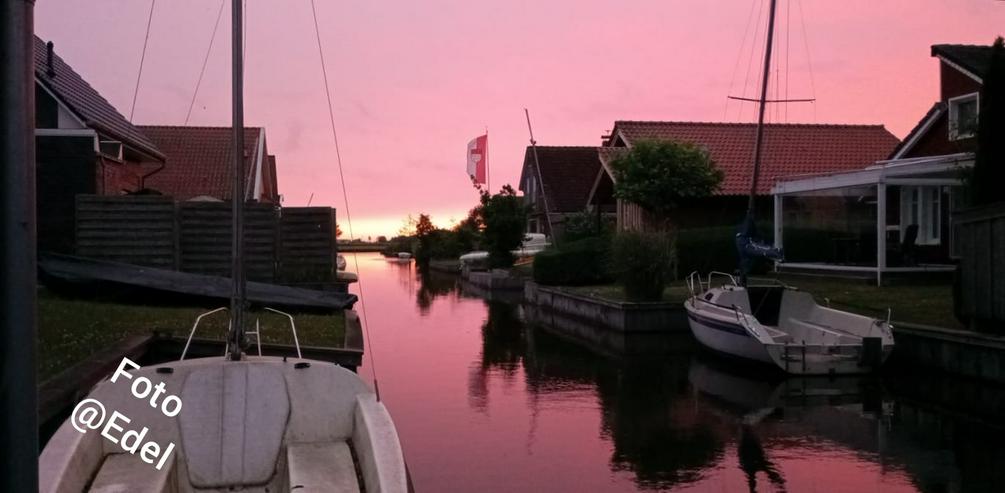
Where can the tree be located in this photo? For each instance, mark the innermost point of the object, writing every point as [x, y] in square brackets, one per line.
[989, 164]
[504, 216]
[381, 239]
[338, 230]
[659, 175]
[424, 226]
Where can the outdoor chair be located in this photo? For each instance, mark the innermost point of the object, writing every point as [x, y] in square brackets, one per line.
[904, 255]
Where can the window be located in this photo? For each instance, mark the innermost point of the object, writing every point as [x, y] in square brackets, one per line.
[963, 116]
[922, 206]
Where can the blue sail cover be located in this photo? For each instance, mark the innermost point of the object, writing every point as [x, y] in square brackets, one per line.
[749, 248]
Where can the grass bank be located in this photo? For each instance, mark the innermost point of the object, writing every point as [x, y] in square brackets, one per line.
[71, 329]
[921, 304]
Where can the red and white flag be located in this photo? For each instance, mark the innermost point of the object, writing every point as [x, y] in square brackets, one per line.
[478, 158]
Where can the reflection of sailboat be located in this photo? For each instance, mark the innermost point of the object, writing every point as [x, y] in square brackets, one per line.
[239, 422]
[754, 394]
[754, 459]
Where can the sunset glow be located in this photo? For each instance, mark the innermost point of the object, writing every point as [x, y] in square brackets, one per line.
[413, 82]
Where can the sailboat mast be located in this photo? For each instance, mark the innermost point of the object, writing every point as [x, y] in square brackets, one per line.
[758, 143]
[237, 298]
[18, 377]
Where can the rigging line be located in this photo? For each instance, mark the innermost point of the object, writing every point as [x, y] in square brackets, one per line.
[761, 70]
[788, 11]
[143, 56]
[739, 56]
[205, 61]
[809, 62]
[345, 198]
[750, 59]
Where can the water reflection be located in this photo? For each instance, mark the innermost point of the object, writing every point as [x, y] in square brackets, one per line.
[492, 396]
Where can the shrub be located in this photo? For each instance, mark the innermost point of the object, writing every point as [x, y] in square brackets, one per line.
[643, 263]
[504, 216]
[659, 174]
[399, 244]
[713, 248]
[581, 262]
[584, 225]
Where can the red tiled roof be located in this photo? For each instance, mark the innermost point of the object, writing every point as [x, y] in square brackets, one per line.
[789, 149]
[97, 113]
[199, 160]
[568, 174]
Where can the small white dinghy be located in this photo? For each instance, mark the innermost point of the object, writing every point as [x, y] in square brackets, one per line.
[259, 424]
[785, 327]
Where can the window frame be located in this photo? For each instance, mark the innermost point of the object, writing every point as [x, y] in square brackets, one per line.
[953, 124]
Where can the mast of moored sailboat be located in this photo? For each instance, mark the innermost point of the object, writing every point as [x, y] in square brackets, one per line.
[237, 300]
[758, 143]
[18, 378]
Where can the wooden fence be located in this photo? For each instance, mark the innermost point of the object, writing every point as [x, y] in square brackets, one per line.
[137, 230]
[307, 239]
[291, 244]
[205, 239]
[981, 244]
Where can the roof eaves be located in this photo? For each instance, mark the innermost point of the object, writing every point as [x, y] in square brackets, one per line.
[919, 130]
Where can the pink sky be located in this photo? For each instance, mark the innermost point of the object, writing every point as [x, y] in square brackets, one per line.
[414, 81]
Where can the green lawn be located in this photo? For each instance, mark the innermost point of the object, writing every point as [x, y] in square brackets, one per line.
[922, 304]
[71, 329]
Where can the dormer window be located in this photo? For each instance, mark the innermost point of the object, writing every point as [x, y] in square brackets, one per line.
[963, 116]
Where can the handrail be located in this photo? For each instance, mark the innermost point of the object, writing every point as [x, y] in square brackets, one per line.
[293, 326]
[194, 326]
[721, 274]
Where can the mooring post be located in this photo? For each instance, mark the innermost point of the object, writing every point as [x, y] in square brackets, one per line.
[18, 378]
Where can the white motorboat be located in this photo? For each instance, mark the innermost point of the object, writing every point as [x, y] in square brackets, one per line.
[259, 424]
[533, 243]
[785, 327]
[404, 256]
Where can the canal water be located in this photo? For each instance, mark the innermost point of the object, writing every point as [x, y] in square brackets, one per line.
[487, 401]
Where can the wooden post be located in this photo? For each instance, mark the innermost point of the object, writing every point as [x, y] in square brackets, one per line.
[778, 222]
[18, 372]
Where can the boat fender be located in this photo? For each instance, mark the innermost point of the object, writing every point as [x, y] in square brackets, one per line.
[301, 365]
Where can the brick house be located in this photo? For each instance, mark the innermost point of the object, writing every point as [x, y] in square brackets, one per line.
[200, 161]
[83, 145]
[789, 149]
[566, 179]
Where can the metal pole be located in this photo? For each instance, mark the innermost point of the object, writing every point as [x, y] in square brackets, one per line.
[237, 193]
[537, 166]
[18, 378]
[760, 115]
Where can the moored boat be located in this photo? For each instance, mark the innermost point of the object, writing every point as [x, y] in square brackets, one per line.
[782, 326]
[259, 424]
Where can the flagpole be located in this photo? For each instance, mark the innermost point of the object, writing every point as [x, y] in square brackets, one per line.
[488, 176]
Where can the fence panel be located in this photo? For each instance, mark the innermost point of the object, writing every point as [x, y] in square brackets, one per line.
[205, 239]
[307, 244]
[138, 229]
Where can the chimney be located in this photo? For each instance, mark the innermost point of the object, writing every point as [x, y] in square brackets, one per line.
[51, 72]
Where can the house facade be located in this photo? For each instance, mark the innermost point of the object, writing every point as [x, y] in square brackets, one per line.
[561, 189]
[896, 214]
[83, 145]
[788, 149]
[200, 161]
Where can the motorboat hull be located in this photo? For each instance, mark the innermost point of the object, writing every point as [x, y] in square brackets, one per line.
[803, 338]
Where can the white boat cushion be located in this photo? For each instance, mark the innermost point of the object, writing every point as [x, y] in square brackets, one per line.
[319, 467]
[232, 424]
[126, 473]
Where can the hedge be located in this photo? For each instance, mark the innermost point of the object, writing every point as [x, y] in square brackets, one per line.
[575, 263]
